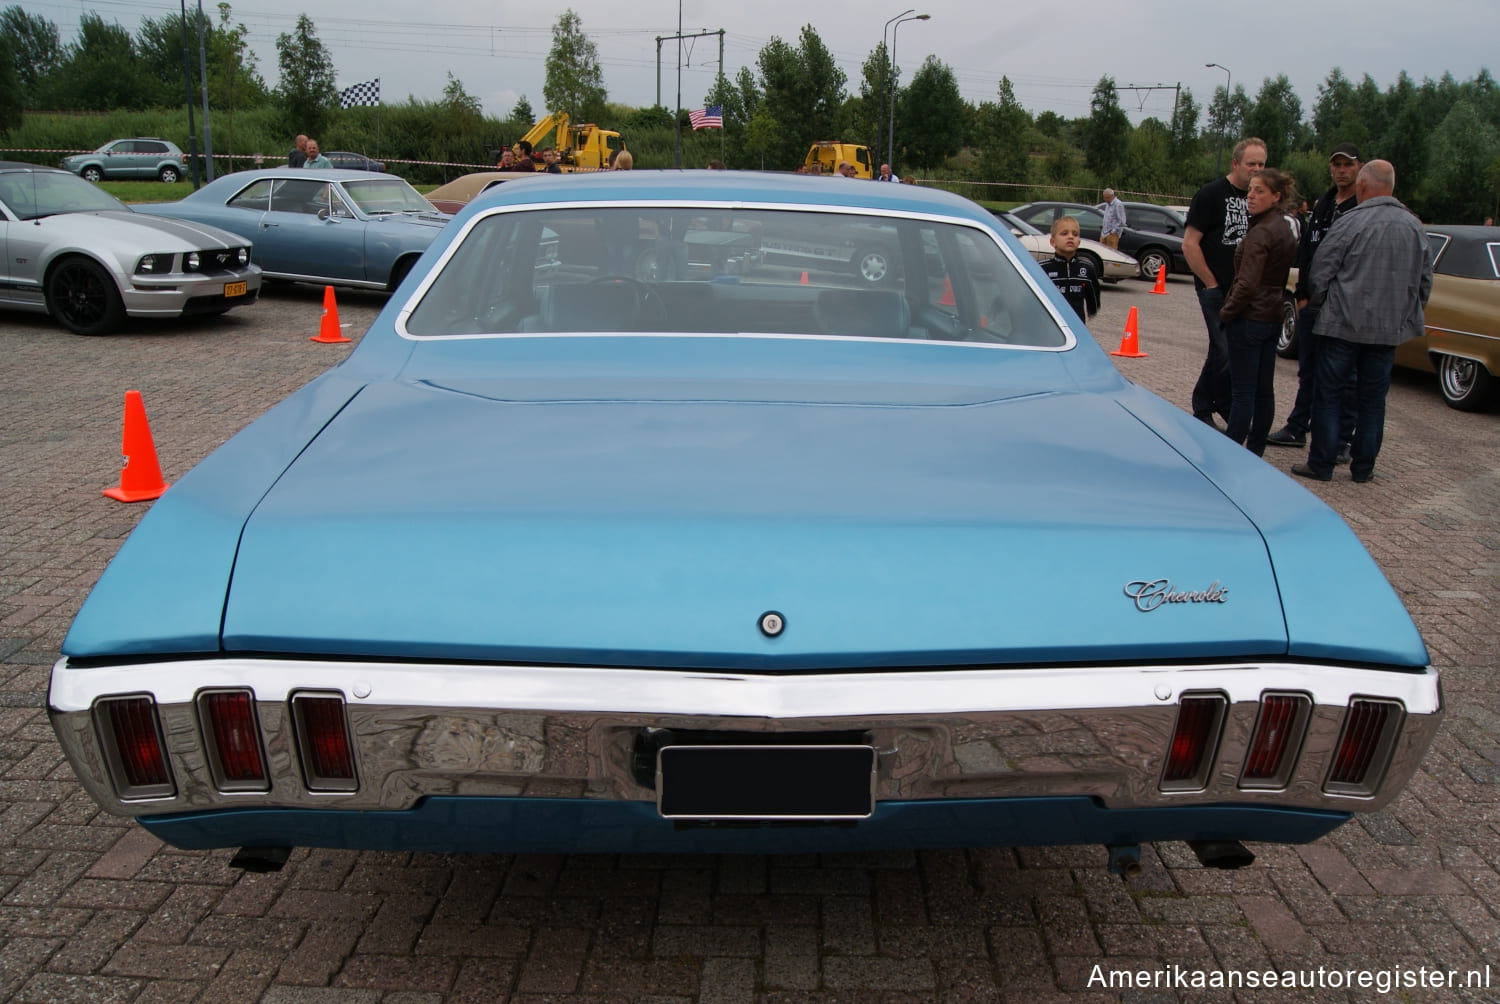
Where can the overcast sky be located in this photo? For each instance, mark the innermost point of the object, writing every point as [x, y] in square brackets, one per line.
[1053, 51]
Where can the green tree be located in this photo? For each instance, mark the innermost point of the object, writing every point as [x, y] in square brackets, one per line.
[460, 101]
[1107, 131]
[1147, 166]
[868, 111]
[1461, 151]
[1335, 117]
[34, 53]
[102, 70]
[307, 90]
[521, 113]
[10, 88]
[1276, 117]
[933, 116]
[1184, 127]
[233, 72]
[1001, 129]
[803, 90]
[760, 136]
[1049, 124]
[575, 83]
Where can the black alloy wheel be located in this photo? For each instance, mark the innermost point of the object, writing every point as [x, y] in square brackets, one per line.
[83, 297]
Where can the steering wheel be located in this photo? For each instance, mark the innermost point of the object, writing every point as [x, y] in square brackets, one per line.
[645, 311]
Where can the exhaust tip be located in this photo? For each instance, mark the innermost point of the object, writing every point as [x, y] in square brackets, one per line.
[1222, 853]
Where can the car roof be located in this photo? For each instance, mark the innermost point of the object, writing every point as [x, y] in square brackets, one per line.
[17, 165]
[763, 188]
[239, 179]
[1467, 252]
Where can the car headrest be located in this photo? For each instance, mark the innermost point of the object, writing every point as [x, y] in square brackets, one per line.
[863, 313]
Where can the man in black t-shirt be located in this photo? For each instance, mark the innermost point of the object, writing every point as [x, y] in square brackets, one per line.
[1217, 219]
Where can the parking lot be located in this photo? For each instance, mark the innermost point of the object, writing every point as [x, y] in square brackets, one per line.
[94, 909]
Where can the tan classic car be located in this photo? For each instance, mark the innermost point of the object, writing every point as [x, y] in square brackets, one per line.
[456, 194]
[1462, 341]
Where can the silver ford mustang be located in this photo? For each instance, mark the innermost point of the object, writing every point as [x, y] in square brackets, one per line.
[76, 252]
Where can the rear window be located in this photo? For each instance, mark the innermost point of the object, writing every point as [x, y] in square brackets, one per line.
[732, 271]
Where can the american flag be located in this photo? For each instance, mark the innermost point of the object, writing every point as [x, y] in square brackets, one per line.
[367, 93]
[711, 117]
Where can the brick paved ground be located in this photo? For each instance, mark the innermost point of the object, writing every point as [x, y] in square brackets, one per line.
[92, 908]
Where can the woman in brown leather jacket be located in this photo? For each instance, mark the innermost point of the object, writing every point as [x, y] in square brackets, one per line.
[1251, 315]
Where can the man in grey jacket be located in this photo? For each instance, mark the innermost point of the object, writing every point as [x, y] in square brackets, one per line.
[1370, 279]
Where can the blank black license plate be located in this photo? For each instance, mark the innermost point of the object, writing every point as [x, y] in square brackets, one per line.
[765, 782]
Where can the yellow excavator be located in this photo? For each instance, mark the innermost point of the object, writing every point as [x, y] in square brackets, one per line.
[583, 147]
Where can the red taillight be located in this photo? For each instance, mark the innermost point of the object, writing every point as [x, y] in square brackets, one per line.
[234, 740]
[323, 735]
[1190, 755]
[1364, 747]
[1275, 741]
[133, 746]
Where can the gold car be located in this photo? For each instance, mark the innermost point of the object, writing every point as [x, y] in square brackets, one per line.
[1462, 341]
[456, 194]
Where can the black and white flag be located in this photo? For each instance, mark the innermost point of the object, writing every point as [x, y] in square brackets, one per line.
[367, 93]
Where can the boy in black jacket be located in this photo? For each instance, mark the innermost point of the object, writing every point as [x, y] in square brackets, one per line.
[1073, 275]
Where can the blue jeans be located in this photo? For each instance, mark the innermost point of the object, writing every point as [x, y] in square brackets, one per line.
[1252, 377]
[1211, 392]
[1300, 419]
[1366, 368]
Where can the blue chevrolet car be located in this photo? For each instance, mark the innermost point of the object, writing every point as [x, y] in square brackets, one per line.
[615, 533]
[335, 227]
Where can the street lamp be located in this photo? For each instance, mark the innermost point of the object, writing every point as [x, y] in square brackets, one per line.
[890, 148]
[887, 68]
[1219, 157]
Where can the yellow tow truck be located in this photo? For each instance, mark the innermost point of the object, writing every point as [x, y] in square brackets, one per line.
[583, 147]
[824, 156]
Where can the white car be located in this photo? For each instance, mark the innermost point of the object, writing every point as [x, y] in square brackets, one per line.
[76, 252]
[1111, 264]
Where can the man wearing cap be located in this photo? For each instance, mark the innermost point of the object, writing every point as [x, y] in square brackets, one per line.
[1370, 281]
[1343, 166]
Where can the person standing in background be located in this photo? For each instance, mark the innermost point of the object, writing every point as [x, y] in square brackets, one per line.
[1114, 220]
[1343, 166]
[1252, 308]
[1216, 222]
[1370, 281]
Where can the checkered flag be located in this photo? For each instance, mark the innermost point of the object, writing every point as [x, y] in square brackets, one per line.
[367, 93]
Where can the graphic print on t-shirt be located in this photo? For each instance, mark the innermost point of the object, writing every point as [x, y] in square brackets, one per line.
[1236, 220]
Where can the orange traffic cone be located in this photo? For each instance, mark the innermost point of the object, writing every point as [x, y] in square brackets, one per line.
[140, 473]
[329, 331]
[1130, 345]
[804, 277]
[947, 300]
[1161, 281]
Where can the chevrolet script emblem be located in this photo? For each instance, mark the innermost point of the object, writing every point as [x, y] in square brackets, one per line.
[1150, 595]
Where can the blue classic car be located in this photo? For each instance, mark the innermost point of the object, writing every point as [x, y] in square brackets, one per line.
[340, 227]
[738, 556]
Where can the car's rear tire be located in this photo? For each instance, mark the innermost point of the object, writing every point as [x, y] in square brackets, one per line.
[169, 174]
[1286, 342]
[83, 298]
[872, 265]
[1153, 260]
[93, 174]
[1466, 384]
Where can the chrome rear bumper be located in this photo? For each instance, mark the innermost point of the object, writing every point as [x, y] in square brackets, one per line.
[576, 732]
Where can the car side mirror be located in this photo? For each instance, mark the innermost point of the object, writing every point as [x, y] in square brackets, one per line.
[323, 214]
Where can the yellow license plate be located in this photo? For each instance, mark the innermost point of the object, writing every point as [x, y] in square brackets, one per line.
[234, 289]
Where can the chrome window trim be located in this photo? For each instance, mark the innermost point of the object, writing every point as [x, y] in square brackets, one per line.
[1070, 340]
